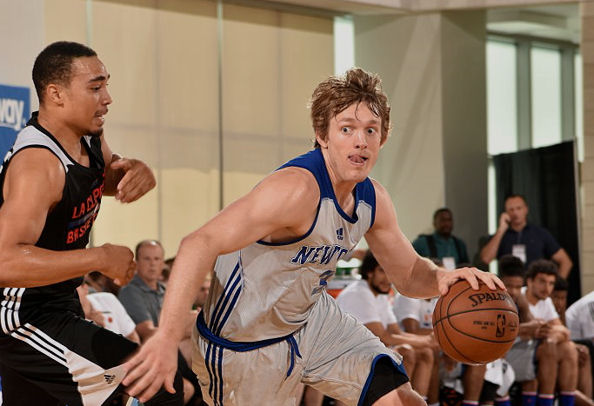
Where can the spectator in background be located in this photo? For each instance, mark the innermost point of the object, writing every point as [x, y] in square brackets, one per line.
[580, 318]
[522, 356]
[584, 347]
[203, 293]
[556, 353]
[98, 282]
[442, 245]
[143, 299]
[367, 301]
[105, 310]
[526, 241]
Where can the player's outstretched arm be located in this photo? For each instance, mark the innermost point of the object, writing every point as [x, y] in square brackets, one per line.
[33, 185]
[413, 275]
[284, 202]
[125, 178]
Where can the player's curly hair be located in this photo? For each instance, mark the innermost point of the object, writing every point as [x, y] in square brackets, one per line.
[54, 64]
[337, 93]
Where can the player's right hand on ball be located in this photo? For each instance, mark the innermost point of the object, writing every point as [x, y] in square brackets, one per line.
[119, 263]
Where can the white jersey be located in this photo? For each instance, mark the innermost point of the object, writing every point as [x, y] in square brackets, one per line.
[543, 309]
[580, 318]
[420, 310]
[359, 301]
[266, 290]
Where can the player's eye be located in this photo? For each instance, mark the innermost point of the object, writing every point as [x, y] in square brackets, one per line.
[345, 130]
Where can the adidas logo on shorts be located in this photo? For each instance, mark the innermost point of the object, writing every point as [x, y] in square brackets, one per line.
[109, 378]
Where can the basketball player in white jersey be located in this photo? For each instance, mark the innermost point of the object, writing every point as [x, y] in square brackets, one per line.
[268, 323]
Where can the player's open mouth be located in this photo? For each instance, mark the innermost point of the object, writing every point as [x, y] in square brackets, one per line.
[357, 159]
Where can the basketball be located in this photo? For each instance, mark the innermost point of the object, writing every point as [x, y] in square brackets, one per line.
[475, 326]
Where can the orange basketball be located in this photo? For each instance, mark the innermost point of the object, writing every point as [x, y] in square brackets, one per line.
[475, 326]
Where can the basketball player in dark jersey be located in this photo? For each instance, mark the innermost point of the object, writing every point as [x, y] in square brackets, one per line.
[52, 182]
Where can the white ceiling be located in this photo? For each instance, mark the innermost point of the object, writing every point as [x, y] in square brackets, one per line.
[557, 19]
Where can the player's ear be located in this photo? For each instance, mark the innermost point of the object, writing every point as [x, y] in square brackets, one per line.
[321, 139]
[54, 93]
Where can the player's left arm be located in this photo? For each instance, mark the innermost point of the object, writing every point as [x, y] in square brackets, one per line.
[563, 262]
[413, 275]
[125, 178]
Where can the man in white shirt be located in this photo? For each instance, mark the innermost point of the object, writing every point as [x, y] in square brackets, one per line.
[556, 355]
[580, 318]
[367, 300]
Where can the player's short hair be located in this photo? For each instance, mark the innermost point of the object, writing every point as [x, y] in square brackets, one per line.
[368, 265]
[514, 196]
[337, 93]
[439, 211]
[542, 266]
[54, 64]
[508, 265]
[146, 242]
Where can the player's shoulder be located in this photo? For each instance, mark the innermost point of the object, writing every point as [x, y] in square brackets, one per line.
[290, 183]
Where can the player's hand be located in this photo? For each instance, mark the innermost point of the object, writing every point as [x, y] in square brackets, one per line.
[504, 222]
[119, 263]
[151, 368]
[446, 278]
[138, 179]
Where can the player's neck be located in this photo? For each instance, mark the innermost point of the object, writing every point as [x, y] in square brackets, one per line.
[67, 138]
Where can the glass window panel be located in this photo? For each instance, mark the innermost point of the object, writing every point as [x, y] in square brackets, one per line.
[579, 108]
[546, 96]
[344, 44]
[501, 97]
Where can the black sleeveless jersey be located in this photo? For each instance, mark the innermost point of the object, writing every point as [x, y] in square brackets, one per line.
[67, 226]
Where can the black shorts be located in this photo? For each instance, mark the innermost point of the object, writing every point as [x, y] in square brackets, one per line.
[63, 359]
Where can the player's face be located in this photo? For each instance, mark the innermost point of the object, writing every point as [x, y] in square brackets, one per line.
[150, 263]
[559, 300]
[516, 209]
[444, 223]
[379, 282]
[541, 286]
[352, 144]
[513, 285]
[86, 97]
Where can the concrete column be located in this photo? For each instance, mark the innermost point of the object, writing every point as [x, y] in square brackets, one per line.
[433, 70]
[587, 168]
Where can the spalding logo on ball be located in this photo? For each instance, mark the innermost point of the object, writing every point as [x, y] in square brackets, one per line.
[475, 326]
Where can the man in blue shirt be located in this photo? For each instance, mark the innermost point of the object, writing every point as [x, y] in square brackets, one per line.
[442, 245]
[525, 241]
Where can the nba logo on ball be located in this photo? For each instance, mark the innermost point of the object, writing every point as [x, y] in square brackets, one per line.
[475, 326]
[500, 325]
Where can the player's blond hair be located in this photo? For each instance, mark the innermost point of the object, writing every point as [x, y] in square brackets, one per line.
[337, 93]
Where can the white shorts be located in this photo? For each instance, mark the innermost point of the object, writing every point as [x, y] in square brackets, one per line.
[337, 355]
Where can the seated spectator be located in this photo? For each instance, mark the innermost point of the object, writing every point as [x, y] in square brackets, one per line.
[143, 299]
[556, 354]
[584, 385]
[367, 301]
[105, 310]
[580, 318]
[203, 293]
[98, 282]
[442, 245]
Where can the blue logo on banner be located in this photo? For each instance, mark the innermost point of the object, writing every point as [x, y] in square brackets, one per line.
[15, 110]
